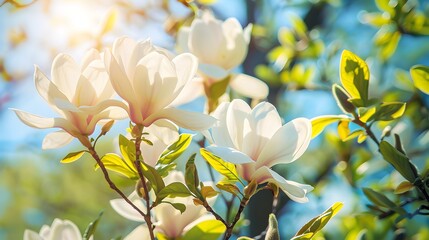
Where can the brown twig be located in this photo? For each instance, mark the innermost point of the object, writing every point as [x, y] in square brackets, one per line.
[138, 166]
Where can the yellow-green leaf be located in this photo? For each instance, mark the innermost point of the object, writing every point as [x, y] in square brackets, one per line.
[153, 177]
[175, 149]
[172, 190]
[115, 163]
[71, 157]
[225, 168]
[389, 111]
[342, 98]
[354, 74]
[366, 113]
[399, 161]
[207, 2]
[403, 187]
[420, 76]
[207, 230]
[317, 223]
[228, 187]
[128, 149]
[208, 192]
[321, 122]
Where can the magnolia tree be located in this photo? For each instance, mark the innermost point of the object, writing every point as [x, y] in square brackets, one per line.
[143, 84]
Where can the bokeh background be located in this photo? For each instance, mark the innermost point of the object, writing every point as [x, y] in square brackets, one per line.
[35, 187]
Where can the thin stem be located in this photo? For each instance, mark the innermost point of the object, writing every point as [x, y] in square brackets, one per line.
[217, 216]
[110, 182]
[367, 129]
[138, 166]
[229, 228]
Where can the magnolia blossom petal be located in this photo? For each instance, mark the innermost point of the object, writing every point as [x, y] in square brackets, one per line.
[186, 66]
[139, 233]
[47, 89]
[118, 78]
[287, 144]
[219, 132]
[295, 191]
[65, 74]
[204, 33]
[41, 122]
[31, 235]
[249, 86]
[230, 154]
[183, 39]
[186, 119]
[264, 121]
[56, 140]
[125, 210]
[191, 91]
[236, 114]
[64, 230]
[236, 44]
[213, 72]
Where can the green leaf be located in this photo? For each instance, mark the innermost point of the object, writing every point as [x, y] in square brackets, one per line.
[245, 238]
[382, 201]
[366, 113]
[208, 192]
[90, 230]
[207, 230]
[153, 177]
[342, 98]
[321, 122]
[191, 176]
[378, 198]
[178, 206]
[420, 76]
[175, 149]
[399, 161]
[225, 168]
[128, 149]
[165, 169]
[175, 189]
[273, 228]
[389, 111]
[317, 223]
[228, 187]
[217, 89]
[403, 187]
[115, 163]
[71, 157]
[354, 74]
[298, 26]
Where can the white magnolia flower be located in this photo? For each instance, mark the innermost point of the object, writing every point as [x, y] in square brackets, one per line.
[221, 47]
[150, 81]
[60, 229]
[162, 133]
[255, 140]
[168, 220]
[79, 93]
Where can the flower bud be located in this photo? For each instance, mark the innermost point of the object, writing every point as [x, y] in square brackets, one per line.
[106, 127]
[140, 189]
